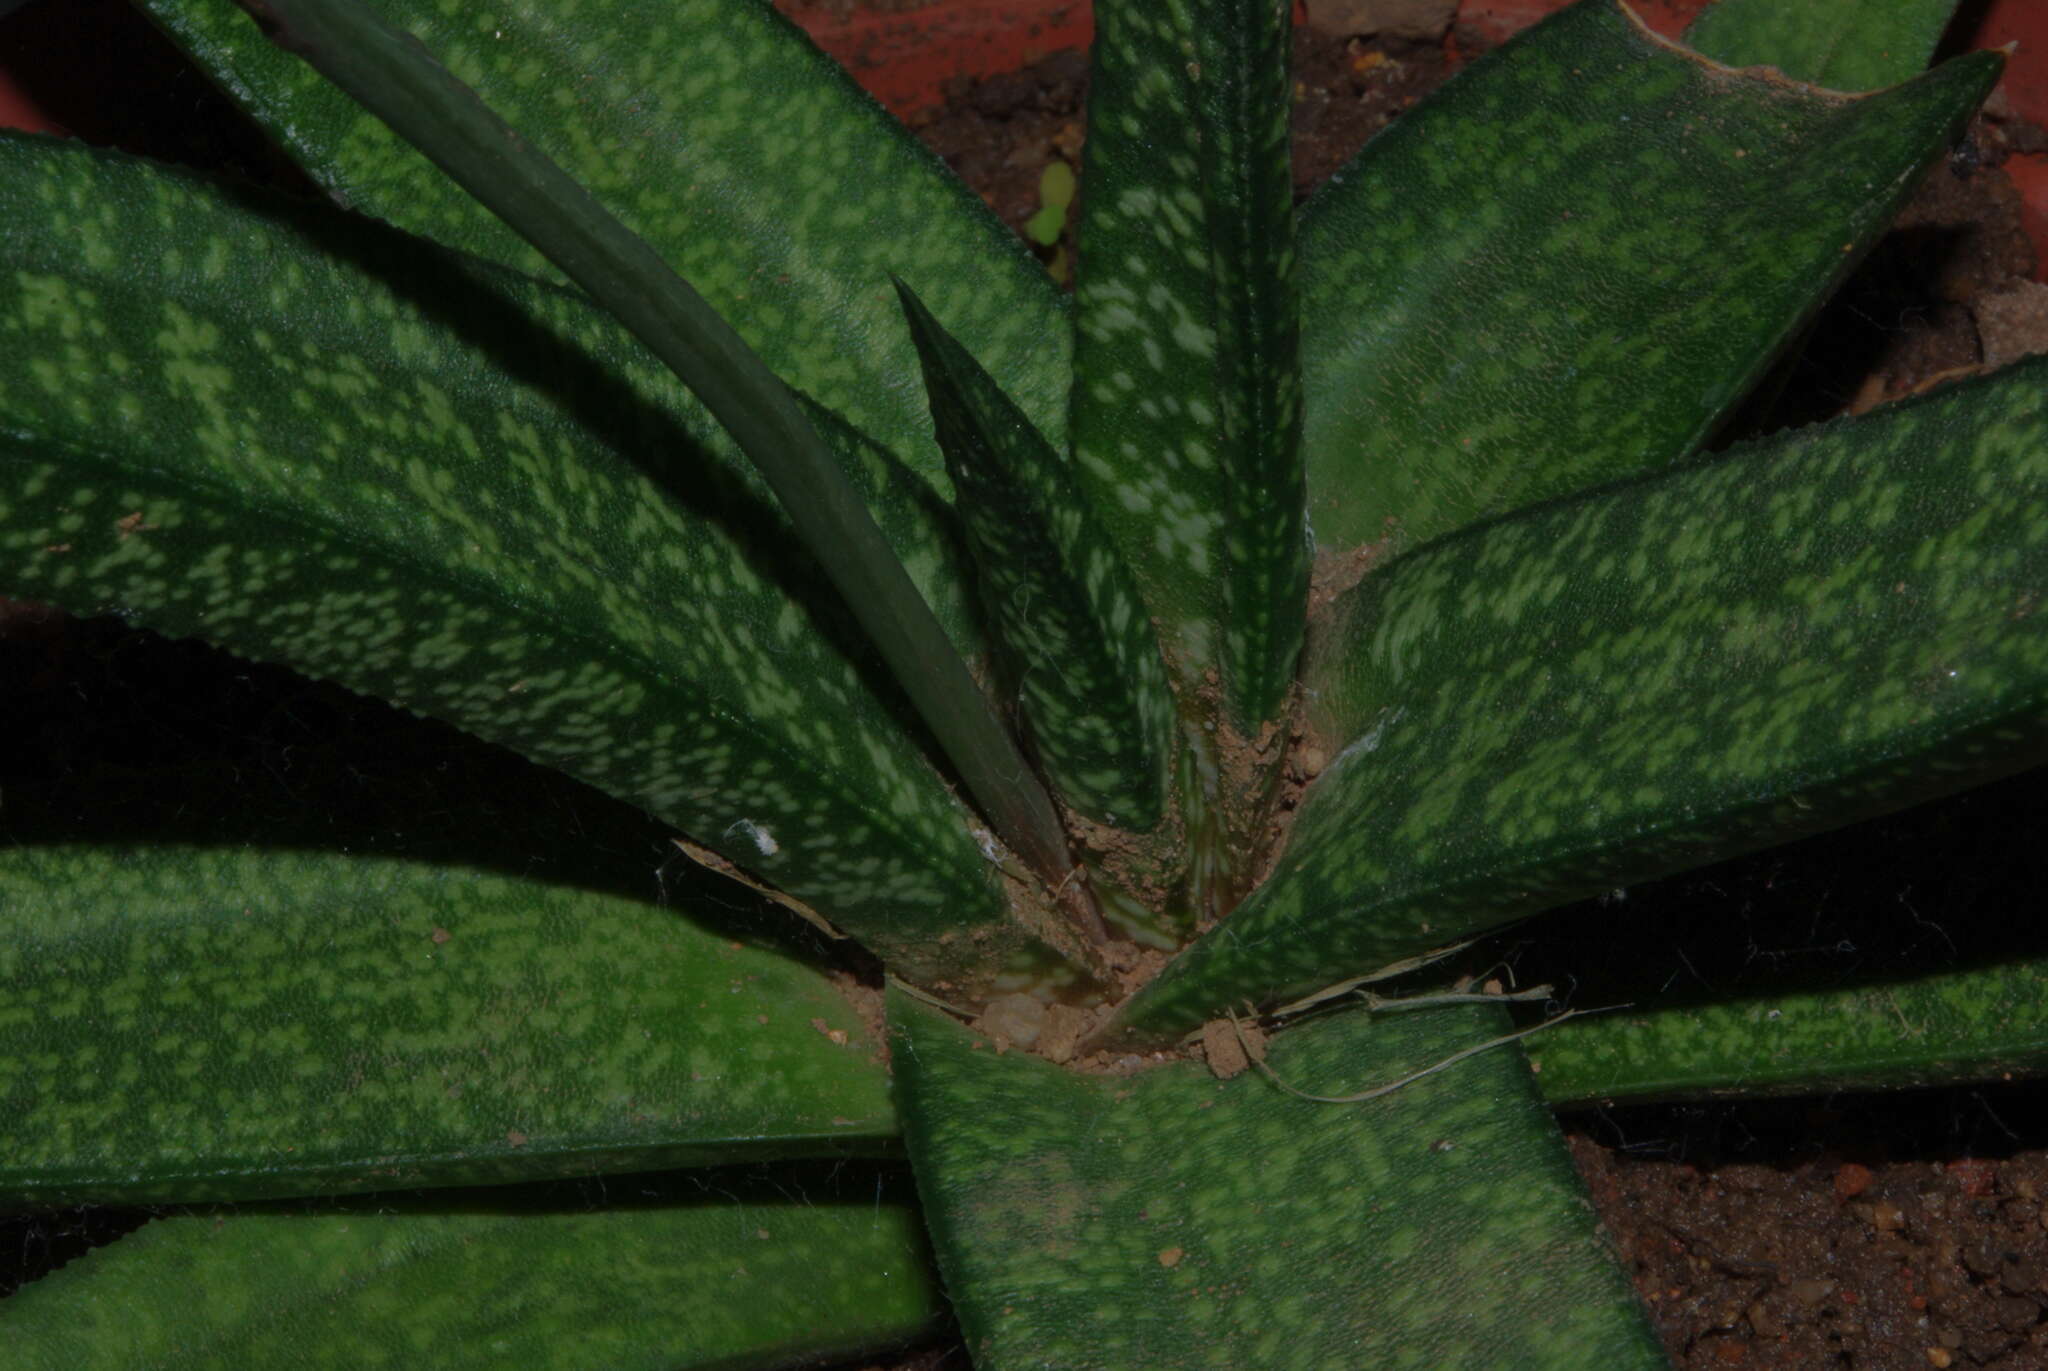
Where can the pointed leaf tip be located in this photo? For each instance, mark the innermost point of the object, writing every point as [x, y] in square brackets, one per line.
[1071, 632]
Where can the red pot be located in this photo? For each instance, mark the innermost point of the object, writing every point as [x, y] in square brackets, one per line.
[1497, 19]
[2025, 22]
[906, 58]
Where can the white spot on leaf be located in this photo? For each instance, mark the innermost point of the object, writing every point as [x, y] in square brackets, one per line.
[763, 841]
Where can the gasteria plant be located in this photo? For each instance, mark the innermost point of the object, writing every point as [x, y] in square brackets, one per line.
[1400, 521]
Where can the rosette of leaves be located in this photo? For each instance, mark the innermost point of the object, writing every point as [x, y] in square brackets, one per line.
[1312, 592]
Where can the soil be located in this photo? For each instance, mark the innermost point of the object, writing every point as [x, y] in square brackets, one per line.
[1826, 1252]
[1877, 1232]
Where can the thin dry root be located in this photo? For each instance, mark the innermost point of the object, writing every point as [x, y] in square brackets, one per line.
[1413, 1076]
[1385, 973]
[964, 1015]
[1381, 1004]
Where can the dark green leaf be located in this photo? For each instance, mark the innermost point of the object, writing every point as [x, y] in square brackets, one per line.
[1844, 44]
[923, 529]
[1811, 629]
[1572, 263]
[382, 493]
[745, 156]
[1169, 1219]
[700, 1270]
[1985, 1024]
[1186, 405]
[1061, 602]
[214, 1023]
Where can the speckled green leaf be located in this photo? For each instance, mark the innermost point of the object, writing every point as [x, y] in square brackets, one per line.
[1573, 262]
[1843, 44]
[1810, 629]
[457, 488]
[1187, 408]
[1984, 1024]
[1074, 635]
[1171, 1220]
[666, 1273]
[392, 75]
[215, 1023]
[722, 137]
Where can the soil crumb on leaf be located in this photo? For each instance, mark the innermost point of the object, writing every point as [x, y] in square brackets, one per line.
[1224, 1047]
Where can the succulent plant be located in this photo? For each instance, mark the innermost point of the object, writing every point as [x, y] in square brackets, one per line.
[1161, 689]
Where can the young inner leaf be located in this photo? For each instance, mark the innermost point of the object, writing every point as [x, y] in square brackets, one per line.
[1061, 603]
